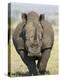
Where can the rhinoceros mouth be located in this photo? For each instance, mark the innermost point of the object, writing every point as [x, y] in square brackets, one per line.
[34, 51]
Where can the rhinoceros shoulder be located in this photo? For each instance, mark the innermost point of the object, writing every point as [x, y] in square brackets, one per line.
[17, 40]
[48, 34]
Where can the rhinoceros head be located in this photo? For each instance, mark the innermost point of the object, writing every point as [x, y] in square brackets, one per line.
[34, 33]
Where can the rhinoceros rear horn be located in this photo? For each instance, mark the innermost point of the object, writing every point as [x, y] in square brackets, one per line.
[41, 17]
[24, 17]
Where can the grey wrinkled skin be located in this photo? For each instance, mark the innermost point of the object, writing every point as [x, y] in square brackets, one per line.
[33, 40]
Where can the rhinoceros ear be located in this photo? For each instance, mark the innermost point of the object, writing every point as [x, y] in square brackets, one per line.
[24, 17]
[41, 17]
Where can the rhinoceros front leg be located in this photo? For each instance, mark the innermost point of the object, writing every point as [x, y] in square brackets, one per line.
[42, 63]
[29, 62]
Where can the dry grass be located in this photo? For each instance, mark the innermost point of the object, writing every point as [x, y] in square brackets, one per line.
[17, 65]
[53, 61]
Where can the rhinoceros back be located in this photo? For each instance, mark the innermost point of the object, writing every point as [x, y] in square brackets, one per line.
[32, 16]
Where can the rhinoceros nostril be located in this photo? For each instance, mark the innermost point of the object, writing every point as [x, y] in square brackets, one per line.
[34, 45]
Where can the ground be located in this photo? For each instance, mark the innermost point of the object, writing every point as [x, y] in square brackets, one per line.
[18, 68]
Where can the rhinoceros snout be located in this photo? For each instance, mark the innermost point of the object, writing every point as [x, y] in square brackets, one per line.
[34, 44]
